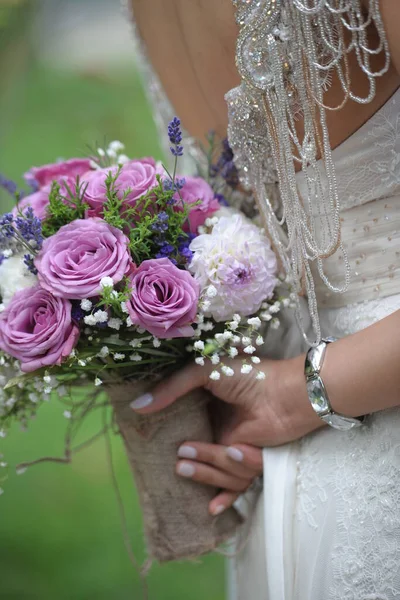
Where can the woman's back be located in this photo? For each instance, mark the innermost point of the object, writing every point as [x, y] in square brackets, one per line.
[192, 48]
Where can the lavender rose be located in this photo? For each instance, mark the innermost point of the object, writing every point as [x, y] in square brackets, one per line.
[164, 299]
[137, 175]
[37, 329]
[72, 262]
[195, 189]
[38, 201]
[46, 174]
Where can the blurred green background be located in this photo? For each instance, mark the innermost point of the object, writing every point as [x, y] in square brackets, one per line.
[67, 79]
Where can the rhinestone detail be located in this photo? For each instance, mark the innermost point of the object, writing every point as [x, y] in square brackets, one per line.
[287, 51]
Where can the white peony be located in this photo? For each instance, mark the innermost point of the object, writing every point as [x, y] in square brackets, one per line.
[14, 276]
[237, 260]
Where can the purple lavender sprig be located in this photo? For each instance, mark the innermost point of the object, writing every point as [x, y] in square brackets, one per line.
[166, 250]
[6, 225]
[178, 253]
[31, 182]
[225, 166]
[175, 137]
[175, 186]
[161, 227]
[24, 230]
[161, 224]
[184, 251]
[11, 187]
[30, 228]
[28, 261]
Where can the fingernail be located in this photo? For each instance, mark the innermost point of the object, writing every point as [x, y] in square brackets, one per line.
[187, 452]
[218, 509]
[142, 402]
[235, 454]
[186, 470]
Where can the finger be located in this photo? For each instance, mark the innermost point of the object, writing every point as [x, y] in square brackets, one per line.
[169, 390]
[252, 456]
[223, 501]
[241, 460]
[211, 476]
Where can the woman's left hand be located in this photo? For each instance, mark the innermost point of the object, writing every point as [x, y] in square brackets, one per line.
[266, 412]
[232, 469]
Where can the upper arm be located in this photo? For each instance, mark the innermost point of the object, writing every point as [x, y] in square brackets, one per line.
[391, 18]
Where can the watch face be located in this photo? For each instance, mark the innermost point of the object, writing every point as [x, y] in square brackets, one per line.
[342, 423]
[317, 395]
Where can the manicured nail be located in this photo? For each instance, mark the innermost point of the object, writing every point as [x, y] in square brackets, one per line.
[187, 452]
[142, 402]
[186, 470]
[235, 454]
[218, 510]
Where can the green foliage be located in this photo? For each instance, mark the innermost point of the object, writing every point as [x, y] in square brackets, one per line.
[139, 221]
[115, 212]
[63, 209]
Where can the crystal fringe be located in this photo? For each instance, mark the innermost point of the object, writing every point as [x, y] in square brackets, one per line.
[287, 51]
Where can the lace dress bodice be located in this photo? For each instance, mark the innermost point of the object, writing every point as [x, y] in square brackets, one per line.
[368, 163]
[368, 179]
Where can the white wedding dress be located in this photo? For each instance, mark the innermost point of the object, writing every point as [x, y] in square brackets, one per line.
[327, 525]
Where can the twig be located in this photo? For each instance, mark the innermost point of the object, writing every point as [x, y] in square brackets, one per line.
[54, 459]
[69, 436]
[89, 442]
[68, 452]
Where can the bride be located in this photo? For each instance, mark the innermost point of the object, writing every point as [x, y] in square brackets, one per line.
[314, 110]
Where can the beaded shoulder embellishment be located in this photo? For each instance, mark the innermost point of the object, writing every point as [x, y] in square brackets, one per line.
[287, 52]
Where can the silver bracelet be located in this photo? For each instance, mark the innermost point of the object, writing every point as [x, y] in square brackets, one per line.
[317, 393]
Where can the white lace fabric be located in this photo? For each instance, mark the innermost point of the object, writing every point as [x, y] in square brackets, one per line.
[368, 180]
[348, 494]
[331, 518]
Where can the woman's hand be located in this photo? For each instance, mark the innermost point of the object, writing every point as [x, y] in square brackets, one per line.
[232, 469]
[266, 412]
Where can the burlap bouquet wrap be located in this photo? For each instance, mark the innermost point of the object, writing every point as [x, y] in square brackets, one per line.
[177, 523]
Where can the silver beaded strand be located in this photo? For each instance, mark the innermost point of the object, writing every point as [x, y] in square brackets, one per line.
[286, 53]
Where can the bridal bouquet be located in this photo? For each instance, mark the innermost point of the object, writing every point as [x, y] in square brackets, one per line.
[114, 272]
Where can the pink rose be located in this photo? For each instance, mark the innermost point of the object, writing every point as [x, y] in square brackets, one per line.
[195, 189]
[164, 299]
[46, 174]
[137, 175]
[38, 201]
[73, 261]
[37, 329]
